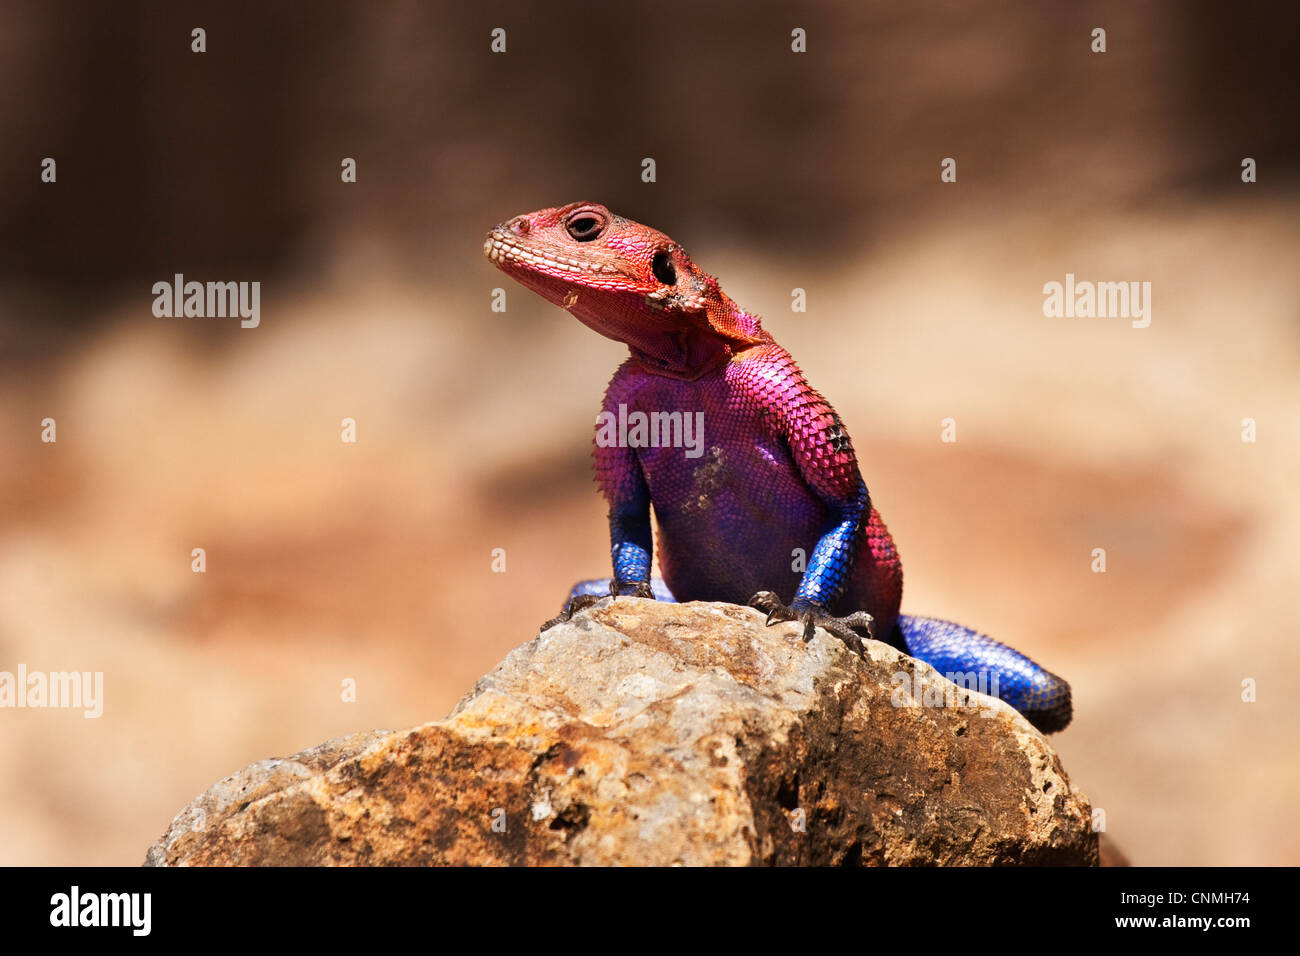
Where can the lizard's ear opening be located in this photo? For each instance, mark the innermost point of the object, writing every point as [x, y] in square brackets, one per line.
[662, 267]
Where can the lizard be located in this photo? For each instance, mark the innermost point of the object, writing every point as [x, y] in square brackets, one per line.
[777, 476]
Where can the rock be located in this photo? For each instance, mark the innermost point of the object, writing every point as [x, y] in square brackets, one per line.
[648, 733]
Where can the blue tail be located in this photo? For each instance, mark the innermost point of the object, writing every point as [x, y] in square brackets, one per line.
[949, 648]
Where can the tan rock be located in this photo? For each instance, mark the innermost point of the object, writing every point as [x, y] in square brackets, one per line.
[651, 734]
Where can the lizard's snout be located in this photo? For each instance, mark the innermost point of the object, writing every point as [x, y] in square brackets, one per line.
[501, 238]
[499, 246]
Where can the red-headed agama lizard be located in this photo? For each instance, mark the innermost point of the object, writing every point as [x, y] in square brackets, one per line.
[773, 476]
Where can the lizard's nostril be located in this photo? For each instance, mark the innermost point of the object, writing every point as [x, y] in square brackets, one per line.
[519, 226]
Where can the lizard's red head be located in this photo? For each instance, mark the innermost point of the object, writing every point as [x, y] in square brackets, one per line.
[627, 281]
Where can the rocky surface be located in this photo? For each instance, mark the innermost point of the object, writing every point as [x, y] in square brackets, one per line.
[649, 733]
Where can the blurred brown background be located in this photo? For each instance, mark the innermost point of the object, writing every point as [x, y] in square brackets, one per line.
[329, 561]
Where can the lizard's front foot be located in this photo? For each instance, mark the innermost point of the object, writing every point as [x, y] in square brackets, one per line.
[813, 617]
[578, 602]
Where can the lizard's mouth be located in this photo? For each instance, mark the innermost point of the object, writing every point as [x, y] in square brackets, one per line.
[504, 249]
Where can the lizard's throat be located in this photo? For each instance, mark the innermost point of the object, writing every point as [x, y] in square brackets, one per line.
[682, 354]
[658, 343]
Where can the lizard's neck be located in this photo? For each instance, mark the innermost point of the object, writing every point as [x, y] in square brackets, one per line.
[683, 355]
[692, 352]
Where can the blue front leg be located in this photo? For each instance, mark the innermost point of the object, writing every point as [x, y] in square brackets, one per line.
[832, 558]
[630, 544]
[631, 541]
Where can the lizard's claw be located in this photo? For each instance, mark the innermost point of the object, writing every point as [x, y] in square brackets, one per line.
[814, 617]
[580, 602]
[572, 607]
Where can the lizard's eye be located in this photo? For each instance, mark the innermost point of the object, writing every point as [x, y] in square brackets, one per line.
[662, 267]
[584, 226]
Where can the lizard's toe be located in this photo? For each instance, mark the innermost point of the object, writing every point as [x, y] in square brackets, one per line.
[573, 606]
[835, 626]
[771, 604]
[583, 598]
[815, 617]
[641, 589]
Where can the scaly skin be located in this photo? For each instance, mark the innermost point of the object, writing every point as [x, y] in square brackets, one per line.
[776, 475]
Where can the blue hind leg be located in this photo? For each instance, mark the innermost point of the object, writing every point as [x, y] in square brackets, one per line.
[949, 648]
